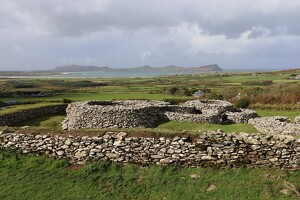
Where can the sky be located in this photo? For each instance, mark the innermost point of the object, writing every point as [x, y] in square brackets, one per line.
[244, 34]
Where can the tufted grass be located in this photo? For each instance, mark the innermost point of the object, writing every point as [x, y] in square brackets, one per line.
[32, 177]
[200, 127]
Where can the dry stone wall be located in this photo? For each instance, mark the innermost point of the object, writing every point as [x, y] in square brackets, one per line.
[137, 113]
[16, 118]
[276, 125]
[113, 114]
[182, 117]
[210, 149]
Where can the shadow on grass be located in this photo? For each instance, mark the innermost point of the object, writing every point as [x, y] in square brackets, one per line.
[49, 121]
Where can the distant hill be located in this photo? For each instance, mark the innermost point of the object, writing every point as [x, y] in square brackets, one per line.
[213, 67]
[78, 68]
[82, 68]
[151, 69]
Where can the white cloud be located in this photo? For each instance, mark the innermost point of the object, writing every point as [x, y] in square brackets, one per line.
[256, 32]
[129, 32]
[145, 54]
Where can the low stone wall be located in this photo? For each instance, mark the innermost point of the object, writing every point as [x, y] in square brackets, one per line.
[240, 117]
[211, 149]
[198, 118]
[15, 118]
[275, 125]
[208, 105]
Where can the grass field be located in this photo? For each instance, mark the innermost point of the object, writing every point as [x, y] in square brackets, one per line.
[289, 113]
[32, 177]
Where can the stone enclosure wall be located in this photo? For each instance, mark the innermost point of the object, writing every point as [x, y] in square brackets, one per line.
[211, 149]
[276, 125]
[137, 113]
[15, 118]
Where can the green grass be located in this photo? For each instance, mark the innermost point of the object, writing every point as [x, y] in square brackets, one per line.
[17, 108]
[200, 127]
[289, 113]
[31, 177]
[259, 77]
[52, 122]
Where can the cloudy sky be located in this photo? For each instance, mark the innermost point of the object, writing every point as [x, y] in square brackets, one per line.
[244, 34]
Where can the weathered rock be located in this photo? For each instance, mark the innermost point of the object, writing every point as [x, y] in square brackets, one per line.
[60, 153]
[166, 161]
[297, 120]
[211, 187]
[4, 130]
[194, 176]
[286, 191]
[208, 158]
[111, 155]
[121, 135]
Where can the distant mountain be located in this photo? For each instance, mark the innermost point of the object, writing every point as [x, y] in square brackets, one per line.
[81, 68]
[152, 69]
[213, 67]
[78, 68]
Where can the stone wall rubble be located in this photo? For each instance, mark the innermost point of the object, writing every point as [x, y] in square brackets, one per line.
[210, 149]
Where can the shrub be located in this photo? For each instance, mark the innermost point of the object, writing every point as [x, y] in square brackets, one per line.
[172, 90]
[266, 83]
[172, 101]
[187, 92]
[206, 90]
[65, 100]
[24, 86]
[215, 95]
[242, 103]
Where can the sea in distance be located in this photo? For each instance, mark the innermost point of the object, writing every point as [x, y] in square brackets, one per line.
[121, 74]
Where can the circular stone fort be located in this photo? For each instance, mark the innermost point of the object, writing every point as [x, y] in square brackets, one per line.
[144, 113]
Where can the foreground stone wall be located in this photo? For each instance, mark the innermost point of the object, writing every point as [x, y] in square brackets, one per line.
[211, 149]
[138, 113]
[15, 118]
